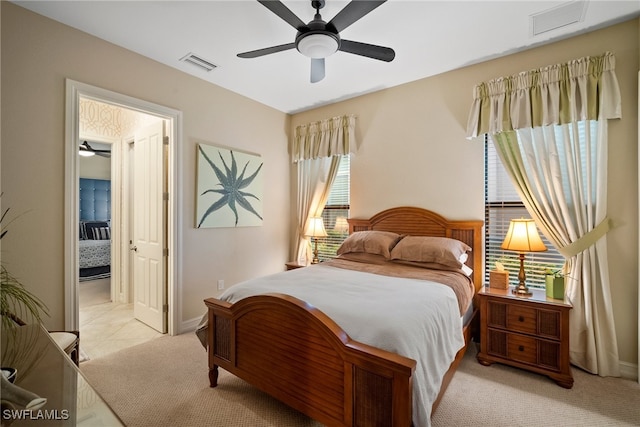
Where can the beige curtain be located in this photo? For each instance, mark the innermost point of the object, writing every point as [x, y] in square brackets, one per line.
[325, 138]
[586, 88]
[315, 177]
[316, 151]
[549, 127]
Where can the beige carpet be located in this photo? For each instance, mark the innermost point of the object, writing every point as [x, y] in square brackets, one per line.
[164, 383]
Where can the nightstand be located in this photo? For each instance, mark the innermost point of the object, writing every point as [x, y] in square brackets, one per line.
[292, 265]
[531, 333]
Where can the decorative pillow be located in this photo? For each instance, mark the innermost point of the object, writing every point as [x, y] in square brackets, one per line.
[90, 226]
[101, 233]
[371, 242]
[439, 250]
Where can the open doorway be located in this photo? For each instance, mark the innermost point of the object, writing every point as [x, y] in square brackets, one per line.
[95, 228]
[107, 323]
[111, 317]
[103, 117]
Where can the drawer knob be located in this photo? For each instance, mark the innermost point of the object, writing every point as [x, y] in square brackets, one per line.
[520, 318]
[521, 348]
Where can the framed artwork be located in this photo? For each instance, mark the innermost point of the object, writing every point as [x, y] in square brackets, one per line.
[229, 188]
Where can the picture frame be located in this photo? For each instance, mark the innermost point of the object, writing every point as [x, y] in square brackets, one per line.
[229, 188]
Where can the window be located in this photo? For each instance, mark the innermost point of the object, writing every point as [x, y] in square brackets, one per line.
[501, 204]
[336, 212]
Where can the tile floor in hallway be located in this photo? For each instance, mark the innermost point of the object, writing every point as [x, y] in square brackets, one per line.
[105, 326]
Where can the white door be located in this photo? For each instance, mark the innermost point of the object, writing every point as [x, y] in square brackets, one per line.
[149, 224]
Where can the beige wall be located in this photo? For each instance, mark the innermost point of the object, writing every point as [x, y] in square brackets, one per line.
[413, 151]
[38, 54]
[95, 167]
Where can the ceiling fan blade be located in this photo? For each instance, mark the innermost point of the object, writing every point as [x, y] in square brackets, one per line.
[352, 12]
[86, 147]
[266, 51]
[317, 69]
[283, 12]
[369, 50]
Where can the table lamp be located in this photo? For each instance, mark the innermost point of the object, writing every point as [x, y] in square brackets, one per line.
[341, 226]
[315, 229]
[523, 237]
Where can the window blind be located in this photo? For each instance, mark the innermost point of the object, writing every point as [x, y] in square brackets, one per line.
[336, 212]
[502, 204]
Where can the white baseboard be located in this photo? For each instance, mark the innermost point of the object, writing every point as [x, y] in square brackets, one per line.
[189, 325]
[629, 371]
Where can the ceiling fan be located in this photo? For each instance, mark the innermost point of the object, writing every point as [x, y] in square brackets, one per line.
[86, 151]
[319, 39]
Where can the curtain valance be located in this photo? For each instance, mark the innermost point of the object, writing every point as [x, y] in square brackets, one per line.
[325, 138]
[582, 89]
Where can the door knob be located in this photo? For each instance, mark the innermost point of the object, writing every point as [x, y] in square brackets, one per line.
[134, 248]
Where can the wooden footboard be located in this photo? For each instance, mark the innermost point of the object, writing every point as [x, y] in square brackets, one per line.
[298, 355]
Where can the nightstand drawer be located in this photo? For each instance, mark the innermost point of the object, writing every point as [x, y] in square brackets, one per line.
[522, 319]
[529, 320]
[524, 349]
[512, 317]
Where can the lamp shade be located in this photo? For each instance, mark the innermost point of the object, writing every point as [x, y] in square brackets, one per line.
[523, 237]
[315, 227]
[342, 226]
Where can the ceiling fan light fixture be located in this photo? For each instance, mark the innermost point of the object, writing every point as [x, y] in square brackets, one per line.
[86, 153]
[319, 45]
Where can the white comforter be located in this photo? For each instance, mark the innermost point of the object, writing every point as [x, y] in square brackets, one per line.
[414, 318]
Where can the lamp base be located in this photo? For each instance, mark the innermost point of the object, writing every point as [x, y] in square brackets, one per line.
[315, 259]
[522, 291]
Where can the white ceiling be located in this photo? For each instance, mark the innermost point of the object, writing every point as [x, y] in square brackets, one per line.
[429, 37]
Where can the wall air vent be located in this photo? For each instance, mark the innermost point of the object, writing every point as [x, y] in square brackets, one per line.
[196, 60]
[558, 17]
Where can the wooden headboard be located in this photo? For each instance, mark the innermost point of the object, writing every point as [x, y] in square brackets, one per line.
[422, 222]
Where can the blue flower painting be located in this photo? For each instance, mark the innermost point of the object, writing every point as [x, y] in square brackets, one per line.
[229, 188]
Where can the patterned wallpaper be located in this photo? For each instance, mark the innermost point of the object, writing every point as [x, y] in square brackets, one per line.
[98, 119]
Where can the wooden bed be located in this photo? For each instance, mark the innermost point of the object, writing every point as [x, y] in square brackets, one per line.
[323, 373]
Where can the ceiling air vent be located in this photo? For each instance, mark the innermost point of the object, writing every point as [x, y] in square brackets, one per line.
[199, 62]
[557, 17]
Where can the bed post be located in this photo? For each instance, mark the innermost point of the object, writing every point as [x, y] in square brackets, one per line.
[219, 337]
[211, 339]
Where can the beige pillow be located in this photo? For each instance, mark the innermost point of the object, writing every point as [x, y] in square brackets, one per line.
[371, 242]
[439, 250]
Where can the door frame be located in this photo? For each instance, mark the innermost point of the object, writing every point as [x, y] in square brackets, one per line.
[74, 91]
